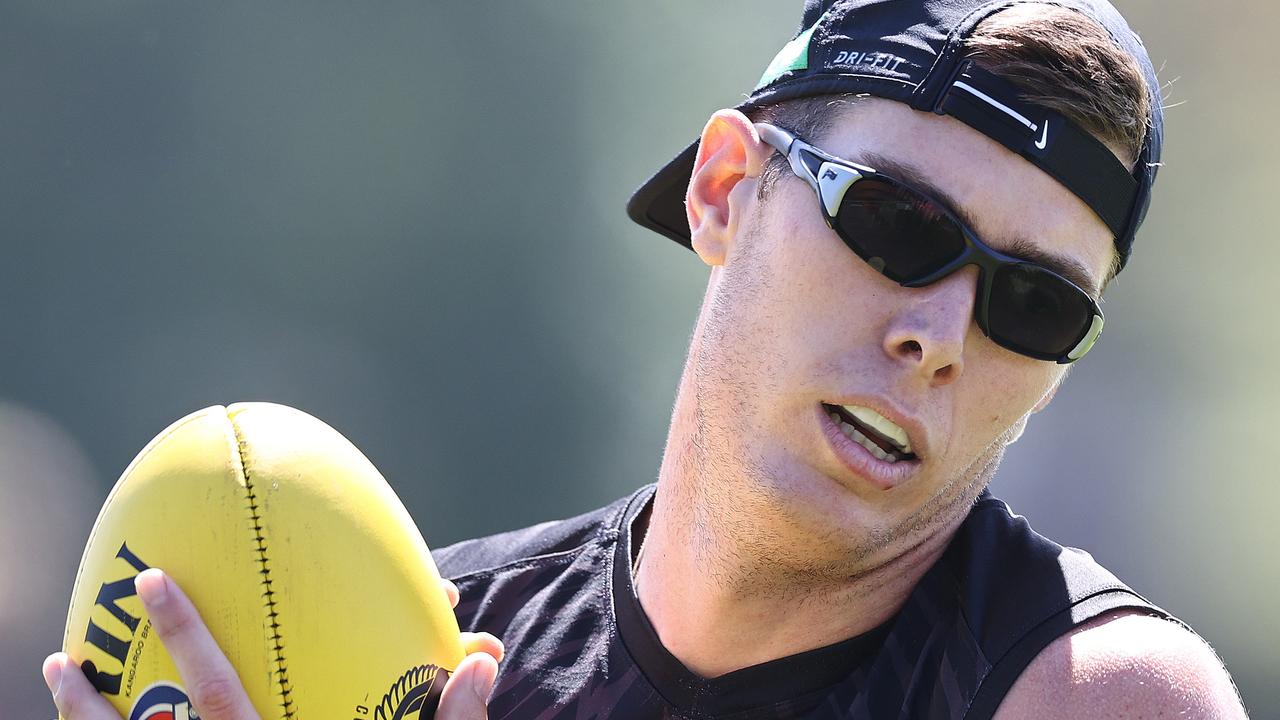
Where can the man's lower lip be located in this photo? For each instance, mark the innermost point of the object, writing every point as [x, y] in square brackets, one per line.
[883, 474]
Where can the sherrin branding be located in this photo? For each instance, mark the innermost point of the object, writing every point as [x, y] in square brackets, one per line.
[302, 561]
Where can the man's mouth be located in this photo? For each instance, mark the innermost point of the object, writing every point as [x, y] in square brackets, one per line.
[873, 431]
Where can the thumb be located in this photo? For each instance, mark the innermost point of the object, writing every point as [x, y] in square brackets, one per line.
[466, 694]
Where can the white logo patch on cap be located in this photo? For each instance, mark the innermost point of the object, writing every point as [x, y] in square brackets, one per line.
[856, 58]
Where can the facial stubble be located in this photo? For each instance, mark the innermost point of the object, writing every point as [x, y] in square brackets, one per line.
[749, 531]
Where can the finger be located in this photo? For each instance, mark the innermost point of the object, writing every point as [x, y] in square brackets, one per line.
[210, 680]
[466, 694]
[483, 642]
[451, 591]
[75, 698]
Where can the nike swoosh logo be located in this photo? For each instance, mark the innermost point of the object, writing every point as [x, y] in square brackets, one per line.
[1044, 136]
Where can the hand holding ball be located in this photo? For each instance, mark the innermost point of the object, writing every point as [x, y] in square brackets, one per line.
[304, 565]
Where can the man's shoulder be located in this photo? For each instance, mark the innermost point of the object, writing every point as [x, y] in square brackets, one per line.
[1124, 664]
[1069, 639]
[1012, 580]
[530, 544]
[1064, 635]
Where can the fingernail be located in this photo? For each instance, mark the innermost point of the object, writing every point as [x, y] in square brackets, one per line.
[152, 587]
[52, 669]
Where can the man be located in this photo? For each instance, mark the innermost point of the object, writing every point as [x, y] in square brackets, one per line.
[909, 224]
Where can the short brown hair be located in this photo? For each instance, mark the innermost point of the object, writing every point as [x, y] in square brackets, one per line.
[1066, 62]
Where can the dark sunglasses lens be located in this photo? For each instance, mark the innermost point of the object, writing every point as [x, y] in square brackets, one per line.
[1035, 311]
[898, 232]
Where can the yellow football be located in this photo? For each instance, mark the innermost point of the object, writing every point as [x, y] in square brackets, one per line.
[302, 561]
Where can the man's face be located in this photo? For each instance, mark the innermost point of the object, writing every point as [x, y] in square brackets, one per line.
[793, 321]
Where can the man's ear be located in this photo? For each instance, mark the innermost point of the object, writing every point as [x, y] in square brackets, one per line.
[729, 151]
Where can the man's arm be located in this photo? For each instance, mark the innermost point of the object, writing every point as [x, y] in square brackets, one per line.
[1124, 665]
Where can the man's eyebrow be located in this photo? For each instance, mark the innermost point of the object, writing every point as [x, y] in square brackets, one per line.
[1019, 247]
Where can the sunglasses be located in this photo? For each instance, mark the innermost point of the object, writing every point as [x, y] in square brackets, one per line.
[915, 240]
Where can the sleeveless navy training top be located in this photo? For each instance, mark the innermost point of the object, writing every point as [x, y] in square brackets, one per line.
[578, 644]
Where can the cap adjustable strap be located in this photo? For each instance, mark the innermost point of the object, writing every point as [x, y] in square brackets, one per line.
[991, 105]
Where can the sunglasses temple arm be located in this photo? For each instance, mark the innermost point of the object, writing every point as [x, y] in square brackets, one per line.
[790, 146]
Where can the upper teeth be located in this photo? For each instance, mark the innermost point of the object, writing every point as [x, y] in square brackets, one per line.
[882, 425]
[856, 435]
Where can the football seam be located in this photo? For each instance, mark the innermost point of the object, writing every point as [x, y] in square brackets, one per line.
[268, 594]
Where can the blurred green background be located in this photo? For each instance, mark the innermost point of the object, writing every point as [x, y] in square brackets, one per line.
[407, 219]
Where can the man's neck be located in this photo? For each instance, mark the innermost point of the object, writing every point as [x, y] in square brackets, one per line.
[720, 606]
[714, 630]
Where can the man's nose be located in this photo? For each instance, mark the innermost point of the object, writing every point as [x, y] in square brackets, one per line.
[929, 331]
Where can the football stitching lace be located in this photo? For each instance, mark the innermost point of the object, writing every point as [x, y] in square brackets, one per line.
[268, 595]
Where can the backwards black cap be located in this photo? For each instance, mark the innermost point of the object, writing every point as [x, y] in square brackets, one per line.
[912, 52]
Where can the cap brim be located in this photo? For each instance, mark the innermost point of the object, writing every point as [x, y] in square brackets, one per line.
[659, 203]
